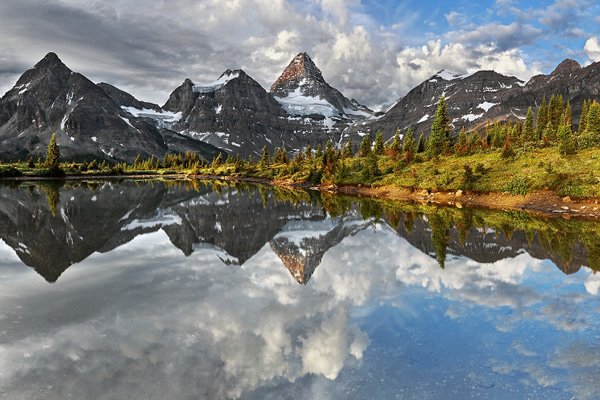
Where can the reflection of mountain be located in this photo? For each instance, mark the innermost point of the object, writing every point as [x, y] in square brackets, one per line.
[482, 244]
[51, 228]
[302, 244]
[51, 237]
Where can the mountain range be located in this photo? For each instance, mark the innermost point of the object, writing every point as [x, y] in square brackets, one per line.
[50, 228]
[235, 115]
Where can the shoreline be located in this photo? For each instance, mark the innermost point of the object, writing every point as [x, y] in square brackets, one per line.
[543, 203]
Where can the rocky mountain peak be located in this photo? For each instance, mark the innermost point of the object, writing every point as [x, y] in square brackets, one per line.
[566, 67]
[301, 67]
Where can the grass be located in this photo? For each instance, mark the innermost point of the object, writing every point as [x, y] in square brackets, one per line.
[537, 169]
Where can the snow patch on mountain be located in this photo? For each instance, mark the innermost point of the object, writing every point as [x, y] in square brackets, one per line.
[296, 103]
[216, 85]
[162, 118]
[486, 105]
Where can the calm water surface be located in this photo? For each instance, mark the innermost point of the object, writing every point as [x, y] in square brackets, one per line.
[152, 291]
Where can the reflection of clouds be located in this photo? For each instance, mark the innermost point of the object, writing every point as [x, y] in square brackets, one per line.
[592, 283]
[144, 319]
[152, 319]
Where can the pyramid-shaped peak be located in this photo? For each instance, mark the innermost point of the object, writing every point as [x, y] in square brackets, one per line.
[300, 68]
[567, 66]
[50, 59]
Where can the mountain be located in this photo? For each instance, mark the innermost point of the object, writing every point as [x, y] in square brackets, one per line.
[303, 92]
[484, 96]
[234, 113]
[472, 99]
[50, 98]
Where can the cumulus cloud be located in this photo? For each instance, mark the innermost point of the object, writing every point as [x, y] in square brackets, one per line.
[592, 49]
[150, 47]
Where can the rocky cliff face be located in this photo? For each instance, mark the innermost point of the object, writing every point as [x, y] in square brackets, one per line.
[471, 100]
[484, 96]
[88, 119]
[233, 113]
[303, 93]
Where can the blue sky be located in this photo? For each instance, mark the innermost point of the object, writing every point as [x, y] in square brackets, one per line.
[372, 50]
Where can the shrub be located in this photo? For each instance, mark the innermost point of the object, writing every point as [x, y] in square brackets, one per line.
[517, 185]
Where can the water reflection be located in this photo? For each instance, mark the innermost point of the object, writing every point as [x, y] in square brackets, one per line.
[185, 292]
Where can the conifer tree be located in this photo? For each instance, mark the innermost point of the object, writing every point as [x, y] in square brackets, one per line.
[378, 144]
[583, 117]
[555, 111]
[347, 151]
[319, 152]
[53, 155]
[439, 138]
[264, 158]
[566, 141]
[365, 146]
[421, 144]
[396, 145]
[308, 152]
[461, 146]
[549, 135]
[528, 127]
[409, 147]
[568, 117]
[542, 120]
[593, 119]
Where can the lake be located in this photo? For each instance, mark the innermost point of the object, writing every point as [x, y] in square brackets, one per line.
[199, 290]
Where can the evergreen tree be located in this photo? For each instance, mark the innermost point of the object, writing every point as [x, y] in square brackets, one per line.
[439, 139]
[378, 144]
[264, 158]
[308, 152]
[396, 145]
[593, 119]
[319, 152]
[365, 146]
[542, 120]
[421, 146]
[218, 161]
[549, 134]
[347, 151]
[568, 117]
[461, 146]
[566, 141]
[583, 117]
[52, 154]
[528, 127]
[556, 111]
[409, 147]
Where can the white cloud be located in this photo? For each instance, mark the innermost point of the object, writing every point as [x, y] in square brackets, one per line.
[113, 41]
[592, 49]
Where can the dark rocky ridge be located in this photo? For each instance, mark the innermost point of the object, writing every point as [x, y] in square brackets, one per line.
[235, 113]
[50, 98]
[503, 98]
[303, 77]
[239, 116]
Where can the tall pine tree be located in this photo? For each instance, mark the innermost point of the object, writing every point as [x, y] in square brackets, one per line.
[542, 120]
[528, 128]
[439, 138]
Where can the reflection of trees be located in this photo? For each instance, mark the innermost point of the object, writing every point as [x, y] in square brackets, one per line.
[440, 223]
[51, 190]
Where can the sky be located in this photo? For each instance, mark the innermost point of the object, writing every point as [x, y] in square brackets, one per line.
[372, 50]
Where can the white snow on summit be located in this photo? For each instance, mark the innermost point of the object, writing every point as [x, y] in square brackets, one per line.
[216, 85]
[161, 117]
[448, 75]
